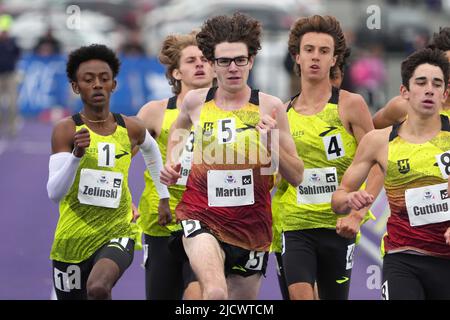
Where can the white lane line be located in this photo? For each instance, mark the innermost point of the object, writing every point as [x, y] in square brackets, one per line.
[371, 249]
[3, 146]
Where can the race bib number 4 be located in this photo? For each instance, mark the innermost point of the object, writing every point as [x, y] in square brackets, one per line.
[100, 188]
[318, 185]
[230, 188]
[427, 205]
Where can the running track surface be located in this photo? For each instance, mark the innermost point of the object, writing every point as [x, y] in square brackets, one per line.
[28, 220]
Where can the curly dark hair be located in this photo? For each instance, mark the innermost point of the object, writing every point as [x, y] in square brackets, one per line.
[320, 24]
[91, 52]
[236, 28]
[434, 57]
[441, 39]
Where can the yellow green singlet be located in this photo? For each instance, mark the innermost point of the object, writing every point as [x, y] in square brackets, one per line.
[148, 204]
[83, 228]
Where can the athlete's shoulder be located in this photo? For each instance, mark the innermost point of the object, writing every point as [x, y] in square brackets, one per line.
[376, 137]
[133, 122]
[195, 98]
[267, 100]
[66, 124]
[351, 100]
[152, 107]
[394, 111]
[136, 129]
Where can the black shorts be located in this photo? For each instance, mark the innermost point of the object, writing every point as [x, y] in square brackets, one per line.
[166, 275]
[415, 277]
[70, 279]
[238, 261]
[322, 256]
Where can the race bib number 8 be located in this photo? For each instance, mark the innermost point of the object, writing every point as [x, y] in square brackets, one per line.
[443, 161]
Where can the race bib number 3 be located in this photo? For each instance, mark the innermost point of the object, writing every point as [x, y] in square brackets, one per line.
[100, 188]
[230, 188]
[318, 185]
[186, 160]
[427, 205]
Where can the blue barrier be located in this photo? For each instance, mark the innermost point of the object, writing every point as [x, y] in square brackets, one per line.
[45, 86]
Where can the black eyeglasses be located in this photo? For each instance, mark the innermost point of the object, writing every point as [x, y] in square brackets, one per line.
[239, 61]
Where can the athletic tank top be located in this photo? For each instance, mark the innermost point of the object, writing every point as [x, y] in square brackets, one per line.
[327, 150]
[148, 203]
[416, 188]
[445, 112]
[227, 189]
[97, 207]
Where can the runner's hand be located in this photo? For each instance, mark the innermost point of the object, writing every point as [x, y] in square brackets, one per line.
[348, 226]
[81, 140]
[135, 212]
[164, 214]
[447, 236]
[170, 174]
[359, 199]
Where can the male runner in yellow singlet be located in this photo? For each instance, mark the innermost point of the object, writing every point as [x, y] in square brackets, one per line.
[88, 176]
[396, 109]
[326, 124]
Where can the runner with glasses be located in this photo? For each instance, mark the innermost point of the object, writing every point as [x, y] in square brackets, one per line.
[225, 211]
[166, 276]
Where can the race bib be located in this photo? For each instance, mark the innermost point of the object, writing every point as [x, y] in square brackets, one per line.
[230, 188]
[443, 161]
[318, 185]
[427, 205]
[100, 188]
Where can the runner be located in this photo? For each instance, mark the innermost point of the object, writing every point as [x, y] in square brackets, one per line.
[326, 124]
[225, 210]
[88, 176]
[166, 276]
[414, 158]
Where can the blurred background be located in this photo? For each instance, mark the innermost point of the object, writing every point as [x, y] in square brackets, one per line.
[35, 37]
